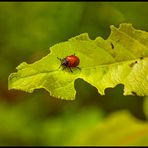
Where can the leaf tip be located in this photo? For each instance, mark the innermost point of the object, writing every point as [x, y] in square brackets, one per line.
[21, 66]
[83, 36]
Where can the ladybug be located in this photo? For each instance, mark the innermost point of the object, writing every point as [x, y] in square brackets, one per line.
[71, 61]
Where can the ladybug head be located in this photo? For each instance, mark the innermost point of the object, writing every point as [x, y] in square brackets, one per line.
[64, 62]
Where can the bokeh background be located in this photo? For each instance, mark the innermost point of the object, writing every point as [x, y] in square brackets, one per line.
[27, 30]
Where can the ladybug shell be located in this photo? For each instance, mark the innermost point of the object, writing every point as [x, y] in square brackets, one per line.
[72, 60]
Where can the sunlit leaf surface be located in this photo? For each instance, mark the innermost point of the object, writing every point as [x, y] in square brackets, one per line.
[122, 58]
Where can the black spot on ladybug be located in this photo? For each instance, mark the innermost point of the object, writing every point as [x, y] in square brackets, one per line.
[70, 62]
[112, 46]
[133, 63]
[134, 93]
[141, 58]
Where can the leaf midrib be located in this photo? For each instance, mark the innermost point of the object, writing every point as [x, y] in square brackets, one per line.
[90, 67]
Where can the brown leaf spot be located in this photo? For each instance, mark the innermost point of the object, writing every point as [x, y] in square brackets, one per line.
[133, 63]
[112, 46]
[134, 93]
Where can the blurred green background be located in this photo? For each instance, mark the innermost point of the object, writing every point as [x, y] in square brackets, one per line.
[27, 30]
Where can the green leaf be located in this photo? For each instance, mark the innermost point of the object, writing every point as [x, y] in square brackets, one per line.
[121, 59]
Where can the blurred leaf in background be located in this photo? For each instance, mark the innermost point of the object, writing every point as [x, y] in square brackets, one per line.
[27, 30]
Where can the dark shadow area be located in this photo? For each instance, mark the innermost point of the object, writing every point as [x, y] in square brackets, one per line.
[112, 101]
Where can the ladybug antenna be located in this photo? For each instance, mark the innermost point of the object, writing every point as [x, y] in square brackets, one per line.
[59, 59]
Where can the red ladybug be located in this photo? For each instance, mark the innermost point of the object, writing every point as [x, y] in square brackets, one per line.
[70, 62]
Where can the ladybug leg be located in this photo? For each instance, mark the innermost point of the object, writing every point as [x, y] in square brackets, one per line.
[59, 66]
[63, 67]
[78, 68]
[70, 69]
